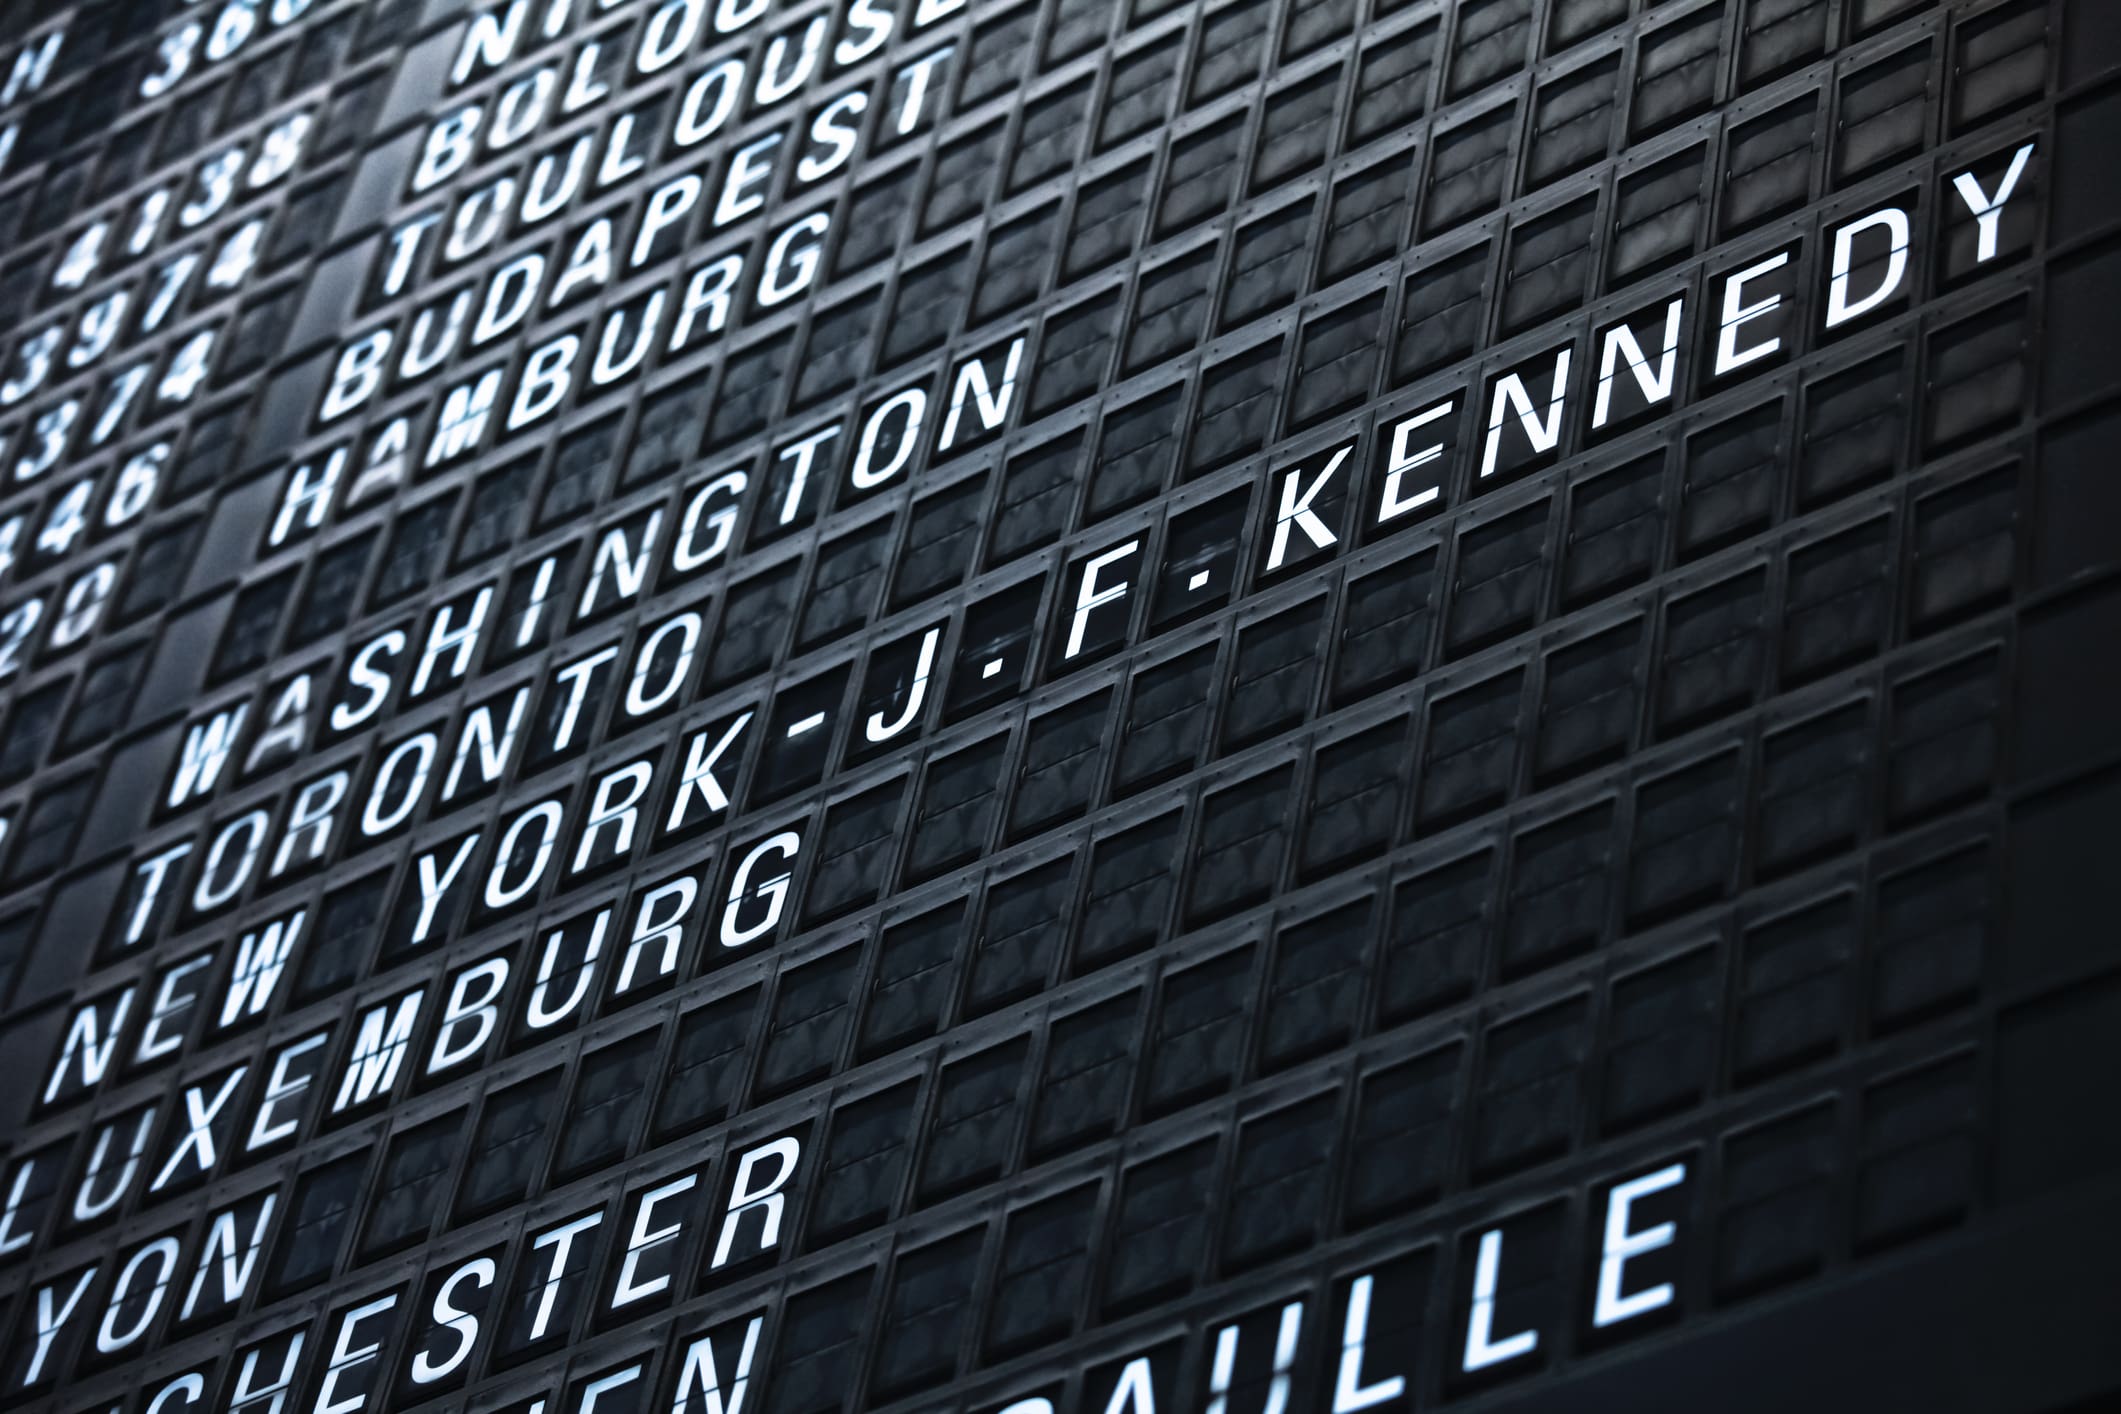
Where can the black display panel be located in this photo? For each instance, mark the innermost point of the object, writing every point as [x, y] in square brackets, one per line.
[1028, 706]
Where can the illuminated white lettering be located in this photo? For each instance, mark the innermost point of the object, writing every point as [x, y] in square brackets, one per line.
[282, 1086]
[649, 928]
[1482, 1349]
[479, 1272]
[154, 1043]
[698, 1374]
[1349, 1391]
[753, 1194]
[645, 1238]
[1988, 210]
[50, 1319]
[1620, 342]
[698, 778]
[626, 566]
[163, 1252]
[1840, 309]
[345, 1355]
[1621, 1244]
[542, 1012]
[236, 1255]
[206, 748]
[434, 884]
[774, 890]
[990, 405]
[614, 806]
[90, 1040]
[1737, 314]
[1511, 396]
[261, 954]
[1295, 511]
[472, 994]
[198, 1141]
[1225, 1366]
[1090, 595]
[545, 816]
[561, 1241]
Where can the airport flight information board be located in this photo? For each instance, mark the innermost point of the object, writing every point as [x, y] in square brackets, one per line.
[1031, 706]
